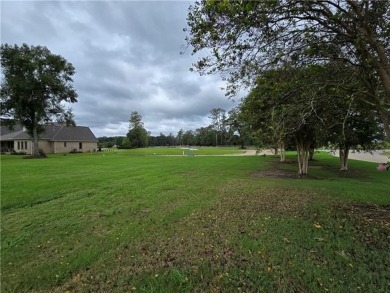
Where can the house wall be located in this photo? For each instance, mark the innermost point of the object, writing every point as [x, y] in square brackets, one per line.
[46, 146]
[90, 146]
[66, 147]
[27, 146]
[49, 147]
[22, 146]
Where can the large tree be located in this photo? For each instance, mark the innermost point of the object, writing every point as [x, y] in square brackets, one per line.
[281, 106]
[244, 38]
[34, 84]
[137, 135]
[218, 117]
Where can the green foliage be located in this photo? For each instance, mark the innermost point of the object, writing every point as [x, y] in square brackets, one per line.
[310, 107]
[137, 135]
[218, 117]
[66, 118]
[244, 39]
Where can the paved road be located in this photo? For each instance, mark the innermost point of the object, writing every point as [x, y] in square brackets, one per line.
[375, 156]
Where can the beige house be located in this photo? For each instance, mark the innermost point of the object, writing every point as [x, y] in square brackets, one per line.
[56, 138]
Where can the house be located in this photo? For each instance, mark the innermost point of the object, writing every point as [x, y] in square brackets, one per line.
[56, 138]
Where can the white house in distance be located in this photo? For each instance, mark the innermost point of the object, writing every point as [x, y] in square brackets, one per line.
[56, 138]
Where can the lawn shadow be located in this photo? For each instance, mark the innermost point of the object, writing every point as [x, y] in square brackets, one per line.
[318, 170]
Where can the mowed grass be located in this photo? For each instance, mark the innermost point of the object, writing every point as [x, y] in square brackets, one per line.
[127, 222]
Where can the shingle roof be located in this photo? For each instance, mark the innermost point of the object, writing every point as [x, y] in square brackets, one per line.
[55, 132]
[76, 133]
[4, 128]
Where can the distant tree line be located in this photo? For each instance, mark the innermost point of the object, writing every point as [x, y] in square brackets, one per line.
[225, 129]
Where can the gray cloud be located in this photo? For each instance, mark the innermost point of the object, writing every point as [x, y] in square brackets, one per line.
[127, 58]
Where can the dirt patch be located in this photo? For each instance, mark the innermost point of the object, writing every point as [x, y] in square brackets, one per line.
[370, 213]
[282, 174]
[371, 224]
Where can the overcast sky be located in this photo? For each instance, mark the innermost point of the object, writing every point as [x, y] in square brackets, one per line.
[127, 58]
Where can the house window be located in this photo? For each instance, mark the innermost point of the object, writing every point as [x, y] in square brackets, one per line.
[64, 144]
[80, 145]
[22, 145]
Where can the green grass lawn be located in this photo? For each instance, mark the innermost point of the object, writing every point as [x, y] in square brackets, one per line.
[135, 221]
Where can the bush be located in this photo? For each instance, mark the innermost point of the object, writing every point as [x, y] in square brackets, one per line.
[18, 153]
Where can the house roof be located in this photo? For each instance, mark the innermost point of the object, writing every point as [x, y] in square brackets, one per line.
[53, 132]
[4, 128]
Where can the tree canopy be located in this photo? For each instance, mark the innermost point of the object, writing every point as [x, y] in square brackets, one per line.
[137, 135]
[310, 107]
[34, 84]
[246, 38]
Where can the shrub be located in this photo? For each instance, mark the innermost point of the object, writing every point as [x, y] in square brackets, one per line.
[18, 153]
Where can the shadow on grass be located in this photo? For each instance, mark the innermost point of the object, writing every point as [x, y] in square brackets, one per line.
[318, 169]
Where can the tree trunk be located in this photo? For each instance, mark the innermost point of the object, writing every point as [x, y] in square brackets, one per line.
[311, 153]
[303, 156]
[276, 149]
[386, 121]
[383, 69]
[382, 66]
[35, 140]
[282, 152]
[344, 153]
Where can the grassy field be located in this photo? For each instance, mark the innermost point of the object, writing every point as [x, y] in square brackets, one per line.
[135, 221]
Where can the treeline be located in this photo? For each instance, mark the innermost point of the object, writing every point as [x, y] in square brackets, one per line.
[224, 130]
[203, 136]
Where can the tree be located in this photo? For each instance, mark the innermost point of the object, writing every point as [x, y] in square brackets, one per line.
[67, 118]
[358, 128]
[239, 123]
[246, 38]
[218, 117]
[205, 136]
[179, 137]
[137, 135]
[313, 105]
[188, 138]
[34, 84]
